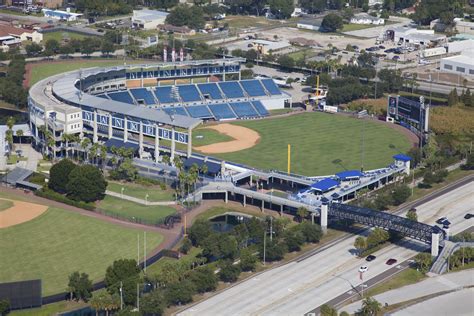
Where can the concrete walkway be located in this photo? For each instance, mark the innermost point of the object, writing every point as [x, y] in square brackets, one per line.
[137, 200]
[439, 284]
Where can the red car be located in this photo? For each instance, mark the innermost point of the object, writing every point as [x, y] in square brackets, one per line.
[391, 261]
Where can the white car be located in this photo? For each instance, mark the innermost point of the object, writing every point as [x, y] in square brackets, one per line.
[363, 269]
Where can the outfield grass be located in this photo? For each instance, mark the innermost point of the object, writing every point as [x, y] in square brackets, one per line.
[201, 137]
[59, 242]
[281, 111]
[60, 35]
[131, 210]
[317, 140]
[155, 193]
[43, 70]
[5, 205]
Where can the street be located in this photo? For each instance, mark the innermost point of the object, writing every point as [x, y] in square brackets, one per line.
[299, 287]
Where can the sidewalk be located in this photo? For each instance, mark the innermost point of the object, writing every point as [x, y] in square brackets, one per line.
[137, 200]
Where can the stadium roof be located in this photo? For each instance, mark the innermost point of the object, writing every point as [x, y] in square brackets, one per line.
[402, 157]
[349, 174]
[212, 167]
[325, 185]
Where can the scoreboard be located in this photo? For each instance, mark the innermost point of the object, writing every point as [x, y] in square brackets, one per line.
[409, 113]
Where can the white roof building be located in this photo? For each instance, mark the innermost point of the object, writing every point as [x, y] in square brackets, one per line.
[414, 36]
[148, 19]
[61, 15]
[364, 18]
[460, 64]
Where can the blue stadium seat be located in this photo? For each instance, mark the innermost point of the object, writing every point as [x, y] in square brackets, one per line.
[199, 111]
[143, 94]
[260, 108]
[103, 96]
[164, 95]
[121, 96]
[178, 110]
[253, 88]
[271, 86]
[210, 89]
[221, 111]
[231, 89]
[244, 109]
[189, 93]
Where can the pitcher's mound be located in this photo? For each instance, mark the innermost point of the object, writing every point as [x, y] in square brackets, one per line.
[20, 212]
[243, 138]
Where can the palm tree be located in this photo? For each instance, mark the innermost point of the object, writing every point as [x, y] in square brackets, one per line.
[10, 122]
[204, 169]
[370, 306]
[302, 212]
[84, 145]
[178, 163]
[65, 137]
[19, 134]
[74, 139]
[9, 140]
[166, 159]
[103, 154]
[93, 152]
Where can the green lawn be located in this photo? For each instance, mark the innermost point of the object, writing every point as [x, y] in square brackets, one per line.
[356, 27]
[156, 267]
[13, 159]
[406, 277]
[59, 242]
[281, 111]
[50, 309]
[44, 70]
[59, 36]
[4, 204]
[201, 137]
[317, 139]
[131, 210]
[155, 193]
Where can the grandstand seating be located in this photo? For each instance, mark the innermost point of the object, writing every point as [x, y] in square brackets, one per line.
[253, 88]
[178, 110]
[121, 96]
[222, 111]
[210, 89]
[262, 111]
[244, 109]
[271, 86]
[143, 94]
[189, 93]
[231, 89]
[164, 94]
[199, 111]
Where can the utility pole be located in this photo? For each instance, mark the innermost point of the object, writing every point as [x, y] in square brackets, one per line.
[264, 246]
[138, 297]
[138, 249]
[144, 252]
[271, 228]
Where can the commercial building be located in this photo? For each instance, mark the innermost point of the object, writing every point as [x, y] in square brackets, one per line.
[460, 64]
[148, 19]
[413, 36]
[13, 36]
[61, 15]
[310, 24]
[264, 46]
[364, 18]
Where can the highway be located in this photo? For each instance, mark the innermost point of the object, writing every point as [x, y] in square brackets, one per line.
[300, 286]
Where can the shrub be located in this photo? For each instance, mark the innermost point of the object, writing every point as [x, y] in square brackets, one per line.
[51, 195]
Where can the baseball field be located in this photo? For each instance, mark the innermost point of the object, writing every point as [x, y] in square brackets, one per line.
[51, 243]
[321, 143]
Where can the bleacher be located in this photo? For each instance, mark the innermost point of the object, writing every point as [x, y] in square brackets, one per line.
[253, 88]
[164, 95]
[262, 111]
[271, 86]
[178, 110]
[244, 110]
[222, 111]
[211, 89]
[189, 93]
[121, 96]
[231, 89]
[199, 111]
[143, 94]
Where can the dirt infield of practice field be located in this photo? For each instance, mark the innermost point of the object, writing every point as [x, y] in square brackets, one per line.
[20, 212]
[243, 138]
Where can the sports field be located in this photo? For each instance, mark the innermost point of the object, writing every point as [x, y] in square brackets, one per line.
[318, 141]
[59, 242]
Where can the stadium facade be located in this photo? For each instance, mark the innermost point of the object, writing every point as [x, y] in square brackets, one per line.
[144, 105]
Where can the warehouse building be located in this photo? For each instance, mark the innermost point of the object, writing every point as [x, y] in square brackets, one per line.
[148, 19]
[460, 64]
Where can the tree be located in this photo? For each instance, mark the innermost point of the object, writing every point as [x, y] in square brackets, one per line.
[33, 49]
[4, 307]
[248, 260]
[19, 134]
[80, 287]
[51, 47]
[200, 230]
[411, 215]
[423, 261]
[87, 47]
[106, 47]
[282, 9]
[453, 97]
[331, 23]
[370, 307]
[85, 142]
[311, 232]
[186, 246]
[152, 303]
[347, 14]
[400, 194]
[123, 273]
[183, 15]
[59, 175]
[377, 236]
[204, 279]
[103, 301]
[302, 213]
[294, 239]
[327, 310]
[224, 246]
[286, 61]
[229, 272]
[86, 183]
[180, 293]
[274, 250]
[66, 50]
[170, 273]
[360, 244]
[125, 171]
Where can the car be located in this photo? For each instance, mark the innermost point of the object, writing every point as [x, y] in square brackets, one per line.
[441, 220]
[468, 216]
[391, 261]
[370, 258]
[363, 269]
[381, 47]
